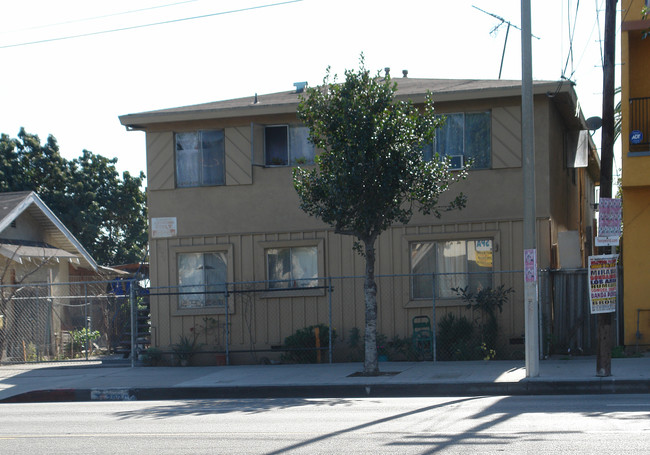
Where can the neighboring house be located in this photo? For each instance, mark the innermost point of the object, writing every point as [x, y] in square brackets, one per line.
[635, 150]
[36, 249]
[223, 210]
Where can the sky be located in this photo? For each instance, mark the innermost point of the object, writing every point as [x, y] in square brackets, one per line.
[71, 67]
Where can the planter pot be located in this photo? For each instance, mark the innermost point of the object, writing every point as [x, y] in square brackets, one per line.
[221, 359]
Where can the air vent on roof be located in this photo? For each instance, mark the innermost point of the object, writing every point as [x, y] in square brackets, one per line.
[405, 73]
[300, 86]
[13, 224]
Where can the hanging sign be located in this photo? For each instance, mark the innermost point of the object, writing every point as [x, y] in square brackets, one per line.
[609, 222]
[603, 286]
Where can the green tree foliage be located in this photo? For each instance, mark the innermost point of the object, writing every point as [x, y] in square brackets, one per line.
[372, 172]
[106, 213]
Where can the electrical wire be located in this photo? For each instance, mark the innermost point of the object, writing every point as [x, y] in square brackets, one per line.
[571, 37]
[87, 19]
[133, 27]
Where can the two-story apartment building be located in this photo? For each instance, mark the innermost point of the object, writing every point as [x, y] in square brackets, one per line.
[223, 210]
[635, 148]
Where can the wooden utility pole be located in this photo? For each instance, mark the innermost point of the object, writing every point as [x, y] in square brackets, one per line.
[604, 347]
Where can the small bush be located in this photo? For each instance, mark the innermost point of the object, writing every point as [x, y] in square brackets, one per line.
[454, 341]
[301, 346]
[152, 356]
[79, 338]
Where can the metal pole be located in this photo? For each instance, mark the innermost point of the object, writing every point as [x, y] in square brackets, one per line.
[531, 303]
[503, 55]
[134, 322]
[433, 318]
[86, 316]
[227, 330]
[329, 292]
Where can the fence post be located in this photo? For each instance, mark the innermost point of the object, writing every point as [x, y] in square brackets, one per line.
[227, 329]
[433, 317]
[329, 310]
[86, 316]
[134, 321]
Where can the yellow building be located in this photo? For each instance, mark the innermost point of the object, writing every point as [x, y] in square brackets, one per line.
[635, 134]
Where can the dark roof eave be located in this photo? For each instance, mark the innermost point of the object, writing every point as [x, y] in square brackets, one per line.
[141, 121]
[287, 102]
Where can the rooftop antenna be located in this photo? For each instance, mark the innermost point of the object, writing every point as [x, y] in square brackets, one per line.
[496, 28]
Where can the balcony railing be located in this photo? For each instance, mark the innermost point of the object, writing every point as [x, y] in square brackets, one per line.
[640, 124]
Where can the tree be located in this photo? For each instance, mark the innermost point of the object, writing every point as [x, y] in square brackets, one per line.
[371, 173]
[106, 213]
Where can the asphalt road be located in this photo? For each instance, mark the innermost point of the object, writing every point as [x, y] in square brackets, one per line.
[609, 424]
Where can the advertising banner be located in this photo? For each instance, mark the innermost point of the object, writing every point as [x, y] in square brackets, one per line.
[603, 283]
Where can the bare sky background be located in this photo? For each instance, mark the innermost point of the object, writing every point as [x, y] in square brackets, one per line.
[71, 67]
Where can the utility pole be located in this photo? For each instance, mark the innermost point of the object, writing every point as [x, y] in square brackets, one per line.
[531, 311]
[604, 344]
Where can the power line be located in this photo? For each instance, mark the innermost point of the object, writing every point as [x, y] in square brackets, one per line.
[133, 27]
[86, 19]
[572, 32]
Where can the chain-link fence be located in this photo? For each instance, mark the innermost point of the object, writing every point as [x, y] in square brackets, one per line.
[568, 327]
[460, 316]
[446, 316]
[451, 316]
[62, 321]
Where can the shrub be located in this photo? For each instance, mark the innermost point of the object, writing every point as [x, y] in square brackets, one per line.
[152, 356]
[487, 301]
[454, 340]
[301, 346]
[79, 338]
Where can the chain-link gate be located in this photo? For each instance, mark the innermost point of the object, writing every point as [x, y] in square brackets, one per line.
[75, 320]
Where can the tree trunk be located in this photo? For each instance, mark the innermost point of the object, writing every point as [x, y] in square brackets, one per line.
[370, 364]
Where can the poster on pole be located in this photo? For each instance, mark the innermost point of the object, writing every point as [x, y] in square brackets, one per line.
[530, 266]
[609, 222]
[603, 284]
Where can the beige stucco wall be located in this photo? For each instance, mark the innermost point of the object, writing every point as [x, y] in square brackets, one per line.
[243, 218]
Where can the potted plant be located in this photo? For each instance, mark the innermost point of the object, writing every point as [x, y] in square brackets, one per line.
[185, 349]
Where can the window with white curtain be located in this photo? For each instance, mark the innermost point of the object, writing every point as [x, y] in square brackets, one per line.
[200, 158]
[466, 134]
[202, 279]
[454, 263]
[294, 267]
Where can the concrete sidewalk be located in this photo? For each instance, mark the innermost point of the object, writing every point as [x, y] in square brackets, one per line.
[85, 381]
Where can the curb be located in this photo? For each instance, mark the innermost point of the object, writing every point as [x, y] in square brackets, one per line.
[593, 387]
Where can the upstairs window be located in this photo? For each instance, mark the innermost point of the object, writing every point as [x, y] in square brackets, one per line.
[464, 137]
[287, 145]
[200, 158]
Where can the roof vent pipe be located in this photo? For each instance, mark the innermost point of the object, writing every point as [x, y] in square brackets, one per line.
[387, 70]
[405, 73]
[255, 100]
[300, 86]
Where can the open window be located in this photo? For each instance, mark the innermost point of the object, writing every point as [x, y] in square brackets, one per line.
[281, 145]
